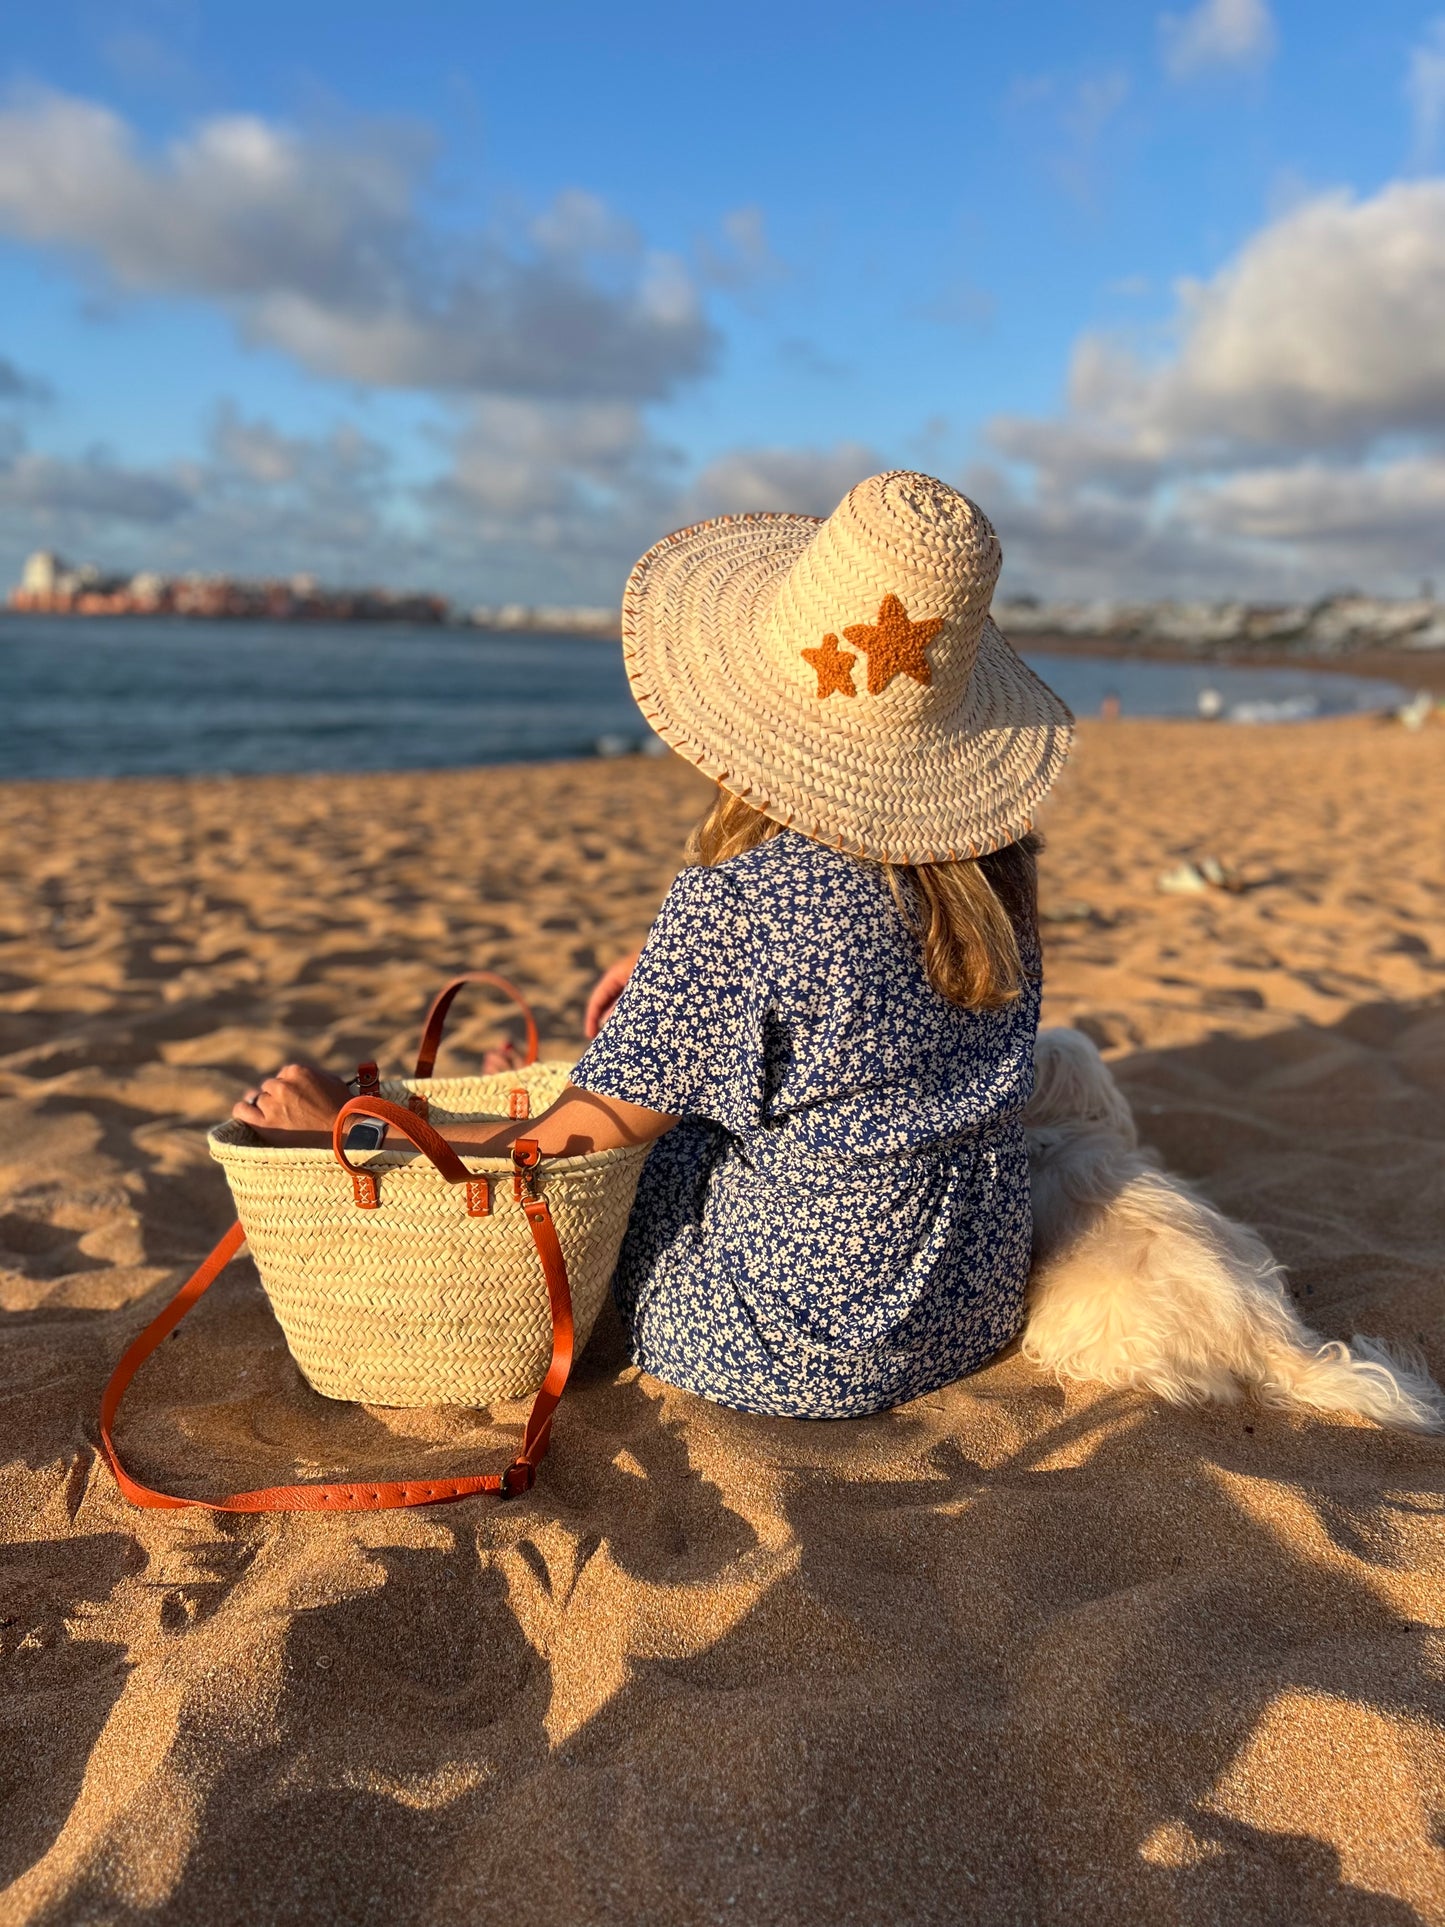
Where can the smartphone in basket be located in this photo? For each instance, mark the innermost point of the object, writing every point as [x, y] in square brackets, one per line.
[366, 1134]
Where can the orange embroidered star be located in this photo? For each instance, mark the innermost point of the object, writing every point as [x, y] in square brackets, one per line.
[834, 667]
[895, 645]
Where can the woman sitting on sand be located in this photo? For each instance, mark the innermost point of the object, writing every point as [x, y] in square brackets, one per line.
[830, 1029]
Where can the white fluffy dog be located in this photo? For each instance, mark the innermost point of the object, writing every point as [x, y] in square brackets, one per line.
[1139, 1283]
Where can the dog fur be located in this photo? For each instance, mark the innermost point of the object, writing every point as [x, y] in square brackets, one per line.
[1139, 1283]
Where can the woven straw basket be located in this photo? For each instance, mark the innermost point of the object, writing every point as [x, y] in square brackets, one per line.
[409, 1275]
[415, 1301]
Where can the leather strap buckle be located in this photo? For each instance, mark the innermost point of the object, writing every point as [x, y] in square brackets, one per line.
[519, 1477]
[526, 1157]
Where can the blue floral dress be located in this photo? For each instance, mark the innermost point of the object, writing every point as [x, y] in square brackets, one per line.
[841, 1220]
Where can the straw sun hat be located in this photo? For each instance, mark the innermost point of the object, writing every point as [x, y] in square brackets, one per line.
[844, 676]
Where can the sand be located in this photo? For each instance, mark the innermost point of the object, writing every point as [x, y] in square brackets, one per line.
[1009, 1654]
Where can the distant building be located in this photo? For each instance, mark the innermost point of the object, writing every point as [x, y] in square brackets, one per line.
[49, 586]
[41, 572]
[547, 619]
[1338, 624]
[150, 592]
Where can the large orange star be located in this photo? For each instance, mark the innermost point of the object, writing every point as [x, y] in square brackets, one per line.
[895, 645]
[834, 667]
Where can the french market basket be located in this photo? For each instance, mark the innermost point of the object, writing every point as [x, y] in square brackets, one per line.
[413, 1276]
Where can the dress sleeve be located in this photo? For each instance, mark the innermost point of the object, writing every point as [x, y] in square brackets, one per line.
[686, 1035]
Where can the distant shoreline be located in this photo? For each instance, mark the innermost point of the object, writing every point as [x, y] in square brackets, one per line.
[313, 619]
[1413, 668]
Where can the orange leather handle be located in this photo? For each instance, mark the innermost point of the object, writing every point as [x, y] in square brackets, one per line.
[436, 1017]
[424, 1136]
[383, 1495]
[366, 1183]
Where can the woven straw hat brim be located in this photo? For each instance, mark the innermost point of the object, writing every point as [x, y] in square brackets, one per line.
[963, 783]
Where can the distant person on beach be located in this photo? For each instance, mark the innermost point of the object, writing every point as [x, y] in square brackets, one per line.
[830, 1030]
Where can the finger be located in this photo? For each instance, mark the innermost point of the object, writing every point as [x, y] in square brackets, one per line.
[246, 1109]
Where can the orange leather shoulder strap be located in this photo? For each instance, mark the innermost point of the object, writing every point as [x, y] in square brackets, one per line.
[436, 1017]
[381, 1496]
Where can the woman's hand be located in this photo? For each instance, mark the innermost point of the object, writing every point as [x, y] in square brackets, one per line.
[299, 1098]
[610, 986]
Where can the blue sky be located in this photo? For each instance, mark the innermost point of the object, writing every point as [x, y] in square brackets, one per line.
[487, 298]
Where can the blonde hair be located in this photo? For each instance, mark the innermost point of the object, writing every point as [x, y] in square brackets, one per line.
[968, 916]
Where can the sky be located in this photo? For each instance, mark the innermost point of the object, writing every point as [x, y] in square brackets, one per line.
[487, 299]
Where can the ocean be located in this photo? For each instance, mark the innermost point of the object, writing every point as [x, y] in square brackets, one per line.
[127, 696]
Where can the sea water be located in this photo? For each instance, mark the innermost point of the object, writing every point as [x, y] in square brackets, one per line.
[128, 696]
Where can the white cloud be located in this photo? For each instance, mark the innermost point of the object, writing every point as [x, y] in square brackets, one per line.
[1080, 450]
[253, 454]
[51, 490]
[1325, 330]
[1395, 508]
[1067, 119]
[318, 248]
[802, 481]
[544, 501]
[1323, 333]
[1217, 34]
[581, 223]
[255, 449]
[592, 486]
[1425, 90]
[239, 207]
[745, 256]
[17, 385]
[1292, 432]
[258, 502]
[581, 482]
[549, 344]
[1095, 544]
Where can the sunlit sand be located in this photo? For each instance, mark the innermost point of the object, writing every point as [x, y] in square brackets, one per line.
[1011, 1653]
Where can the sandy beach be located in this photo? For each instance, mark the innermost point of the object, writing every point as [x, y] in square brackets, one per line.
[1010, 1654]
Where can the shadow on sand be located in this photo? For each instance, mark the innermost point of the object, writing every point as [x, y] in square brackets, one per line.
[1002, 1656]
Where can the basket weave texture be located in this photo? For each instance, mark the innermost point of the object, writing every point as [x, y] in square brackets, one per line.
[415, 1302]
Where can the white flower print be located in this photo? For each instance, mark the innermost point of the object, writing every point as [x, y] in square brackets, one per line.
[841, 1220]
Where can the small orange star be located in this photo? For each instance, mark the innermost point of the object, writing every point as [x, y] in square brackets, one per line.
[834, 667]
[895, 645]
